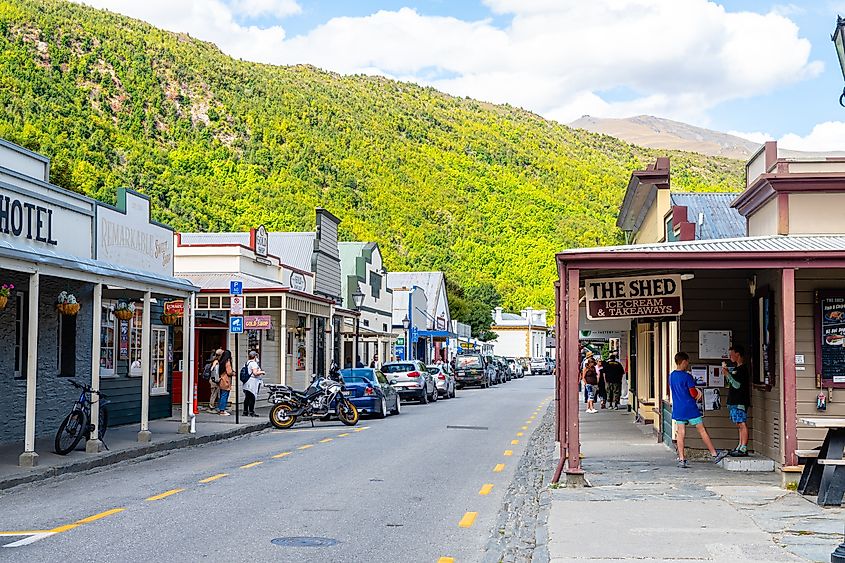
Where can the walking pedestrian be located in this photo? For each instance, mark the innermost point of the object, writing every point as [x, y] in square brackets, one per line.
[739, 396]
[685, 411]
[591, 383]
[253, 384]
[213, 379]
[614, 373]
[226, 372]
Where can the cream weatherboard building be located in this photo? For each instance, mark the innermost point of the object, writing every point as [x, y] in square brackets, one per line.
[520, 336]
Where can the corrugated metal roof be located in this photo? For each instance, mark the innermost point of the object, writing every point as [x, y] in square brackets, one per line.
[774, 243]
[720, 219]
[217, 280]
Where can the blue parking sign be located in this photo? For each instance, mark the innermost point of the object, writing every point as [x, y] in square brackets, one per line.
[236, 324]
[236, 288]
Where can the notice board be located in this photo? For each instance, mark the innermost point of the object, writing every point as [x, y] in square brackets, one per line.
[713, 344]
[830, 338]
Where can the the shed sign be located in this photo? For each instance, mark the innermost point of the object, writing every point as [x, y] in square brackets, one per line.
[634, 297]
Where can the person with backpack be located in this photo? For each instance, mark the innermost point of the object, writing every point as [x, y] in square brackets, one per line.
[225, 384]
[252, 385]
[211, 373]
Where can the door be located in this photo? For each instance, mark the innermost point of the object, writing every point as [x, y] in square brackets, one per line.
[208, 341]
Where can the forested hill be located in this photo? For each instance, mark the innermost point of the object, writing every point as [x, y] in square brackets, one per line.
[486, 193]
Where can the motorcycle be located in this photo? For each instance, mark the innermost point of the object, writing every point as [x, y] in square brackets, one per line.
[321, 400]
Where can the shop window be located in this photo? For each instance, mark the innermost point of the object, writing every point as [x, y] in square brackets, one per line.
[254, 341]
[67, 345]
[135, 336]
[107, 340]
[158, 361]
[375, 284]
[21, 328]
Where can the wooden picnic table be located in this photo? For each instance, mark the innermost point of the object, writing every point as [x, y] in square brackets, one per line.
[824, 475]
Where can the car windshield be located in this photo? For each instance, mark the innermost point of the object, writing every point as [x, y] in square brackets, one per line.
[469, 362]
[357, 375]
[397, 368]
[433, 369]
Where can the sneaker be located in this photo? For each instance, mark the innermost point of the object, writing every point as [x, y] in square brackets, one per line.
[683, 464]
[225, 413]
[739, 453]
[720, 455]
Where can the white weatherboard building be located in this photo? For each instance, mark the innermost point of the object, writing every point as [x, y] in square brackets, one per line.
[520, 336]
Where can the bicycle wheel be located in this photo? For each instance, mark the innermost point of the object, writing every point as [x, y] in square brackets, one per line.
[70, 432]
[104, 422]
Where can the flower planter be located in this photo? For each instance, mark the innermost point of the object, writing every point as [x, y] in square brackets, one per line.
[3, 301]
[169, 318]
[123, 314]
[68, 309]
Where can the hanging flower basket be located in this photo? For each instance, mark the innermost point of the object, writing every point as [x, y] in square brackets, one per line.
[169, 318]
[66, 304]
[5, 292]
[124, 310]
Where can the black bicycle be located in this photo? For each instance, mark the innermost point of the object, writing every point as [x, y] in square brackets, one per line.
[78, 422]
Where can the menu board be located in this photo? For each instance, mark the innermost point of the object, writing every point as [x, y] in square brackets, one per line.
[830, 338]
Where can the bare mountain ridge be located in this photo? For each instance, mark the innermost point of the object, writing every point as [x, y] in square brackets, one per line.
[658, 133]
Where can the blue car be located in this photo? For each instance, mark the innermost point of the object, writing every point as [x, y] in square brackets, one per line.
[371, 392]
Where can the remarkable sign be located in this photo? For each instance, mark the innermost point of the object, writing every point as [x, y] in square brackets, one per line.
[634, 297]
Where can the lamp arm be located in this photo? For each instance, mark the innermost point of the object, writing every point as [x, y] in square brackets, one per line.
[842, 98]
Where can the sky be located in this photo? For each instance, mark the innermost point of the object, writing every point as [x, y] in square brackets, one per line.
[758, 69]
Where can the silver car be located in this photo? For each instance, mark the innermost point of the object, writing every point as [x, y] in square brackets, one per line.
[444, 379]
[412, 380]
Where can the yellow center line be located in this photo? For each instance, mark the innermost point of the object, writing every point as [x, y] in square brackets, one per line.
[65, 528]
[281, 455]
[499, 468]
[525, 428]
[508, 453]
[214, 478]
[100, 515]
[520, 433]
[529, 421]
[305, 447]
[514, 442]
[344, 435]
[446, 560]
[253, 464]
[485, 489]
[165, 494]
[467, 520]
[324, 440]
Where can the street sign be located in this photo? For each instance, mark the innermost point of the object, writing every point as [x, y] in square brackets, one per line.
[236, 305]
[236, 325]
[415, 334]
[236, 287]
[400, 341]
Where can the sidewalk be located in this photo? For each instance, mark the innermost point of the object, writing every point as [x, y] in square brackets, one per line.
[642, 507]
[123, 444]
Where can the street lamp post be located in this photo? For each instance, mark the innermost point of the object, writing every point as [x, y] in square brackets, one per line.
[406, 324]
[838, 39]
[358, 299]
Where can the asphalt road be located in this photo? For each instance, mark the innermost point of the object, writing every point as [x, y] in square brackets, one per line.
[407, 488]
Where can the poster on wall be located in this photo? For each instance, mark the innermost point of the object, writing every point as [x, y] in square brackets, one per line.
[830, 338]
[717, 378]
[714, 344]
[699, 373]
[123, 346]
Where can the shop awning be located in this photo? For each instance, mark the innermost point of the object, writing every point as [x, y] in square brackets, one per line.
[436, 334]
[87, 269]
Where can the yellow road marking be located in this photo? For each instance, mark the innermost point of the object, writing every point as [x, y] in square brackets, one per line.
[214, 478]
[324, 440]
[281, 455]
[508, 453]
[66, 527]
[485, 489]
[305, 447]
[253, 464]
[165, 494]
[514, 442]
[499, 468]
[525, 428]
[520, 433]
[344, 435]
[467, 520]
[100, 515]
[25, 533]
[529, 421]
[446, 560]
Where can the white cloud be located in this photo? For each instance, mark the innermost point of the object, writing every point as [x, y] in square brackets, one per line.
[827, 136]
[754, 136]
[273, 8]
[674, 58]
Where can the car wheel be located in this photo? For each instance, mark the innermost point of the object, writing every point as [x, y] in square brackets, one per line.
[435, 395]
[383, 409]
[398, 408]
[423, 397]
[452, 395]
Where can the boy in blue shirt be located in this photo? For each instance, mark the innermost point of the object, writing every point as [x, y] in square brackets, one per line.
[685, 410]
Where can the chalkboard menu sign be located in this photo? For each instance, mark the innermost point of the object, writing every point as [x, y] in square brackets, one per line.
[830, 338]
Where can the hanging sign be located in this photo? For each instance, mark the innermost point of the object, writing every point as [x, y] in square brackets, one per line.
[634, 297]
[261, 241]
[297, 281]
[174, 307]
[258, 322]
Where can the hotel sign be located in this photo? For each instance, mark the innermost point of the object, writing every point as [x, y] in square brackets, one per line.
[634, 297]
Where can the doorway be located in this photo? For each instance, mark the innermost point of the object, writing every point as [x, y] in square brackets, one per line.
[208, 341]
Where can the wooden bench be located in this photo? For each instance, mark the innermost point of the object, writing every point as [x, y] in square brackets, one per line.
[824, 468]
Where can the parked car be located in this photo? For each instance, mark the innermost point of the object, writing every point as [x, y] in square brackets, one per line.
[526, 365]
[412, 380]
[495, 374]
[502, 365]
[472, 369]
[444, 379]
[515, 368]
[371, 392]
[539, 366]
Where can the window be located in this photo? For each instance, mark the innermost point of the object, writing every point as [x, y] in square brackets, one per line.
[135, 325]
[21, 328]
[67, 345]
[375, 284]
[158, 361]
[107, 340]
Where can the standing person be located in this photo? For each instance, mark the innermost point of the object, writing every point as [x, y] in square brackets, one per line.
[591, 382]
[739, 396]
[374, 362]
[226, 373]
[213, 379]
[359, 363]
[253, 384]
[587, 357]
[685, 409]
[602, 390]
[614, 373]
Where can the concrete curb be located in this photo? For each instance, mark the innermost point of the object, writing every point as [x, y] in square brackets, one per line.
[110, 458]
